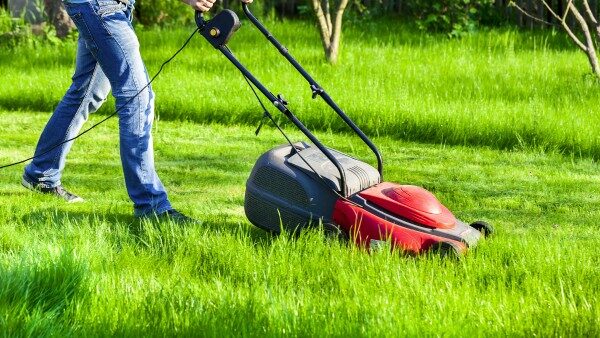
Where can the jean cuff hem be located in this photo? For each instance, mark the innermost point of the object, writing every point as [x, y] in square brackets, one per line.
[34, 182]
[150, 212]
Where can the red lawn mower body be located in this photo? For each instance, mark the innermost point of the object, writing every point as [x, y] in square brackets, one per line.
[399, 205]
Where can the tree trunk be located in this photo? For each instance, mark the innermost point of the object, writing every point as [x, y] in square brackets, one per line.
[332, 54]
[58, 17]
[589, 41]
[571, 19]
[330, 27]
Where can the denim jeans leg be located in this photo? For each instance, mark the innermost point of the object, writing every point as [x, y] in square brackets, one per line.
[109, 35]
[87, 92]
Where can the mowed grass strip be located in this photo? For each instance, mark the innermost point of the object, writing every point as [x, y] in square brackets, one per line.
[497, 88]
[90, 269]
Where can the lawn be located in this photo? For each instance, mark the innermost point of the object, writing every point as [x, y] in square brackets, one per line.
[506, 131]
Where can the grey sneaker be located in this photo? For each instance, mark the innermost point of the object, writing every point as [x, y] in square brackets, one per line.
[58, 191]
[173, 216]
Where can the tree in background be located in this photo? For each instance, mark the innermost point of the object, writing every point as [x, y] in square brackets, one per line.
[580, 32]
[59, 18]
[330, 26]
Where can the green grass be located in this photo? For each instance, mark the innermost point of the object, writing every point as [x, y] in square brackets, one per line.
[501, 126]
[499, 88]
[90, 269]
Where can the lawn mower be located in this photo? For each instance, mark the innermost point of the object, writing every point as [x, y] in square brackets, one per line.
[298, 185]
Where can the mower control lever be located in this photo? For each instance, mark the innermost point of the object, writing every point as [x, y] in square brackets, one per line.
[316, 90]
[282, 100]
[200, 22]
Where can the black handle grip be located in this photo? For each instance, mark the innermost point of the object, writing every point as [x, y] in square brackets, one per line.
[200, 22]
[249, 14]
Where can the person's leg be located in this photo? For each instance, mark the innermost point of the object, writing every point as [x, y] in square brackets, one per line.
[108, 33]
[88, 91]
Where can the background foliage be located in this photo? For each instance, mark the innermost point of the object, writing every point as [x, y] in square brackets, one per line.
[455, 17]
[13, 31]
[161, 12]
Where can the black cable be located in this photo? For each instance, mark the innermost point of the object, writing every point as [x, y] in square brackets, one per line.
[267, 114]
[111, 115]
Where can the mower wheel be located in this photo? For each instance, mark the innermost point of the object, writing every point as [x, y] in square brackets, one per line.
[485, 228]
[448, 250]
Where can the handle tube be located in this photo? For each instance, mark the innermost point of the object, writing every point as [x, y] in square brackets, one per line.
[316, 88]
[200, 22]
[277, 102]
[281, 106]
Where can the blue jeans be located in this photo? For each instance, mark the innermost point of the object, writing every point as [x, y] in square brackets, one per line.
[108, 57]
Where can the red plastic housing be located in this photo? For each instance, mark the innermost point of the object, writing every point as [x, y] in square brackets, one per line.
[409, 202]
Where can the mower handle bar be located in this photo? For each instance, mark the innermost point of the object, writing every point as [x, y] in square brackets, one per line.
[317, 90]
[278, 102]
[199, 18]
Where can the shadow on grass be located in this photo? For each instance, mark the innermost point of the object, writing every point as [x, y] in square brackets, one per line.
[11, 193]
[60, 217]
[36, 289]
[422, 131]
[143, 228]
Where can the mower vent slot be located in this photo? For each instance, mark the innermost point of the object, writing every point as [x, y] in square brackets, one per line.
[264, 215]
[362, 175]
[279, 184]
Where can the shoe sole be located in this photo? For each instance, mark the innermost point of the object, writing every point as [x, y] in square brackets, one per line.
[31, 187]
[165, 218]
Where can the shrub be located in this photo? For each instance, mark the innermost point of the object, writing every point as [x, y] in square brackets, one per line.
[453, 17]
[13, 31]
[163, 12]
